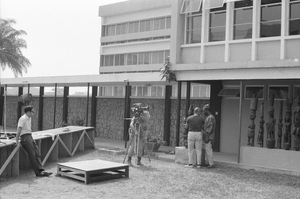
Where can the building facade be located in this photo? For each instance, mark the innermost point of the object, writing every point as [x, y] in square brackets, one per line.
[237, 48]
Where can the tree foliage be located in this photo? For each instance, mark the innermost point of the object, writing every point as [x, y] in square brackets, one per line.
[11, 44]
[167, 73]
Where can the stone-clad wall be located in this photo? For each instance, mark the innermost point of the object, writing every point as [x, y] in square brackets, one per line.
[195, 103]
[109, 116]
[77, 109]
[48, 112]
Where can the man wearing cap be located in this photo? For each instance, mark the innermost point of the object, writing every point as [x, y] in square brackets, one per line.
[209, 128]
[195, 125]
[24, 132]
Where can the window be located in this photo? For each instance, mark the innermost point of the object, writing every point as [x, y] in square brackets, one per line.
[108, 60]
[132, 59]
[242, 24]
[147, 91]
[201, 91]
[189, 6]
[119, 60]
[270, 25]
[159, 24]
[145, 25]
[147, 58]
[111, 30]
[296, 91]
[197, 91]
[294, 19]
[279, 92]
[230, 91]
[257, 91]
[121, 29]
[193, 27]
[168, 23]
[133, 27]
[217, 24]
[111, 91]
[158, 57]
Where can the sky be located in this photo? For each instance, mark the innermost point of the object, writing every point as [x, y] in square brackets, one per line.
[63, 36]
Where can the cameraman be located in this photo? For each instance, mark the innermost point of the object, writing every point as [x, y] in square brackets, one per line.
[139, 121]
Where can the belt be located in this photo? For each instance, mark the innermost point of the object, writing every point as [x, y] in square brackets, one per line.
[25, 134]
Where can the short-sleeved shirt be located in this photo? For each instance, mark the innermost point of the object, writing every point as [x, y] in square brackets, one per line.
[25, 123]
[195, 123]
[210, 125]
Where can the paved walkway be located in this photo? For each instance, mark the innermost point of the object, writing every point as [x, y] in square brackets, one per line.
[164, 152]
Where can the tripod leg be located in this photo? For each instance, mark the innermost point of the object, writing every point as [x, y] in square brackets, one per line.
[128, 146]
[147, 151]
[138, 141]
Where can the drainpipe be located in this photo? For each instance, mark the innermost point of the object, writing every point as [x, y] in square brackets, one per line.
[240, 120]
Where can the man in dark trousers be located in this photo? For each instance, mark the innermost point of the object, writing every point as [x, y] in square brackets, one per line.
[209, 127]
[27, 142]
[195, 126]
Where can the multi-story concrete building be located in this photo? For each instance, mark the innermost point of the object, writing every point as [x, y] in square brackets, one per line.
[237, 48]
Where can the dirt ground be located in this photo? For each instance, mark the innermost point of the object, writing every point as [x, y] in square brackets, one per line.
[158, 179]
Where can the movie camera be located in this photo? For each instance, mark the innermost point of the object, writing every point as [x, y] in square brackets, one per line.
[138, 109]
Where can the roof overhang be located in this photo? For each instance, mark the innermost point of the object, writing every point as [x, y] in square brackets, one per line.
[84, 80]
[263, 70]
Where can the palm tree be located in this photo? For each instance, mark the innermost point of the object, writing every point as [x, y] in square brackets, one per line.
[11, 44]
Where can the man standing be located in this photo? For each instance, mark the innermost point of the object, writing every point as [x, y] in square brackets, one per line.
[195, 125]
[27, 142]
[209, 128]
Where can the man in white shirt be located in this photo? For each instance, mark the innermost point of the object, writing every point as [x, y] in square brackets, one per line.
[25, 138]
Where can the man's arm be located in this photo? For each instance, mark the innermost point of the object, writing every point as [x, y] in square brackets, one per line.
[18, 134]
[132, 127]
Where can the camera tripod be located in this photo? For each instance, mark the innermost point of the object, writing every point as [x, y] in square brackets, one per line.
[134, 141]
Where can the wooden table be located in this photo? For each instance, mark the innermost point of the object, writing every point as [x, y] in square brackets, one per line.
[93, 170]
[53, 144]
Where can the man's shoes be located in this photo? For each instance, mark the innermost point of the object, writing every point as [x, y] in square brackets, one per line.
[44, 174]
[198, 166]
[210, 166]
[189, 165]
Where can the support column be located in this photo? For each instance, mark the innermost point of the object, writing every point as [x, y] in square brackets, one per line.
[65, 104]
[178, 114]
[54, 114]
[94, 106]
[87, 105]
[126, 112]
[19, 113]
[41, 107]
[167, 114]
[215, 105]
[1, 105]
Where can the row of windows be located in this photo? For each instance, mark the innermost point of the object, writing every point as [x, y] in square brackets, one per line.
[141, 58]
[197, 91]
[135, 40]
[270, 21]
[137, 26]
[279, 92]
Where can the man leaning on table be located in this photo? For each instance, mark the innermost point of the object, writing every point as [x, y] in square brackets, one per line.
[25, 138]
